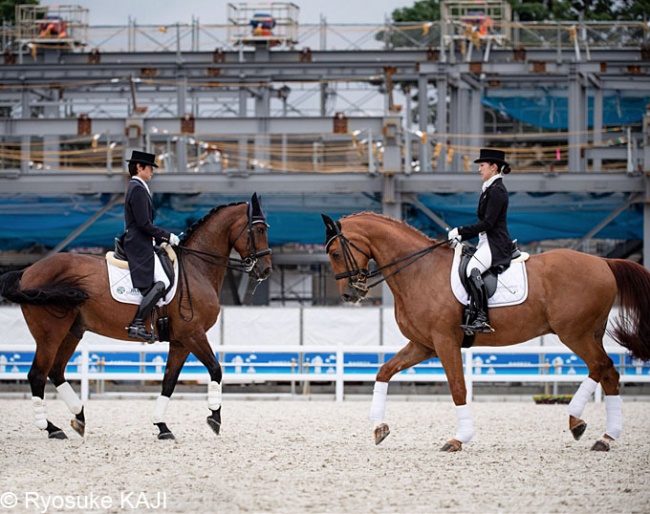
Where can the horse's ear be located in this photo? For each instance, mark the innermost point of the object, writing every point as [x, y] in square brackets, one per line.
[332, 229]
[255, 208]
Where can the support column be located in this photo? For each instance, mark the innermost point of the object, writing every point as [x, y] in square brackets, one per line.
[441, 115]
[181, 143]
[424, 155]
[577, 120]
[597, 163]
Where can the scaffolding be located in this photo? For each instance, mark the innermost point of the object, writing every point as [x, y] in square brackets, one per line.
[61, 26]
[263, 24]
[473, 23]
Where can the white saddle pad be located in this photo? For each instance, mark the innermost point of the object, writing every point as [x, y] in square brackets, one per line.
[512, 284]
[122, 288]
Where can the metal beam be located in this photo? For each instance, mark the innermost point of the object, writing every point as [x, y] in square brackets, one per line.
[299, 183]
[118, 198]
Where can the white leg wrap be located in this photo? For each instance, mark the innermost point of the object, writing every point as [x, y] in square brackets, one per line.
[378, 406]
[614, 416]
[159, 409]
[214, 395]
[465, 430]
[40, 412]
[582, 396]
[70, 398]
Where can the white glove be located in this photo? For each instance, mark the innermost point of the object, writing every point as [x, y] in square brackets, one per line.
[453, 238]
[174, 240]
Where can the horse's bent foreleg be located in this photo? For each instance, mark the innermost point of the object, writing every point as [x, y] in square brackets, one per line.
[200, 347]
[57, 376]
[175, 360]
[451, 359]
[410, 355]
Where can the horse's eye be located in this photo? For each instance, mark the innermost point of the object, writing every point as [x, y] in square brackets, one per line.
[336, 254]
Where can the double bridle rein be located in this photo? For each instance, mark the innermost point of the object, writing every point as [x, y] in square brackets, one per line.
[358, 277]
[245, 265]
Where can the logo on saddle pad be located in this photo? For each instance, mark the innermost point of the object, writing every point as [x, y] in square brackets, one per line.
[506, 289]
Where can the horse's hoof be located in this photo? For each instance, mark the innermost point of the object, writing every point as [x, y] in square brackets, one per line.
[578, 430]
[452, 446]
[600, 446]
[214, 425]
[78, 427]
[381, 432]
[165, 434]
[58, 434]
[54, 432]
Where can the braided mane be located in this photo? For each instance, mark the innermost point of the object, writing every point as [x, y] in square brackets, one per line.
[383, 217]
[197, 224]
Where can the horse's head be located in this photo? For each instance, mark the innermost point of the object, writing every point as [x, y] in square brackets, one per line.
[349, 257]
[254, 248]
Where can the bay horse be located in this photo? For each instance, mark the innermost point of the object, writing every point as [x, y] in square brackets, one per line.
[570, 294]
[64, 295]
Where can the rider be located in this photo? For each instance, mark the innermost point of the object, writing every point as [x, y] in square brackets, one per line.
[139, 240]
[494, 247]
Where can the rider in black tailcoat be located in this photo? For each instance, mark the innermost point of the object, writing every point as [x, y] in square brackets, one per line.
[139, 238]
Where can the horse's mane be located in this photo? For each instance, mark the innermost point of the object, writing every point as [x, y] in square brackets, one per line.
[197, 224]
[402, 224]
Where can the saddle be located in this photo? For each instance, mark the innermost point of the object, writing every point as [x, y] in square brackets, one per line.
[165, 253]
[490, 276]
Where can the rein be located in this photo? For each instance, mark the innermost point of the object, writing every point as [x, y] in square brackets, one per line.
[245, 265]
[357, 276]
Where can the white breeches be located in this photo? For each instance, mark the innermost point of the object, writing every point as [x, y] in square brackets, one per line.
[482, 259]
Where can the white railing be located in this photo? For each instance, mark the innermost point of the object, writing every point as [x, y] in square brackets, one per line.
[305, 364]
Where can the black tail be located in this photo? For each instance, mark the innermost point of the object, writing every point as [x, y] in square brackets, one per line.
[64, 292]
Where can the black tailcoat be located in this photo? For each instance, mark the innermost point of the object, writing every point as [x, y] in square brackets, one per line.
[492, 214]
[140, 233]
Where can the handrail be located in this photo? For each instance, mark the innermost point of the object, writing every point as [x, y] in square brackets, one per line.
[340, 369]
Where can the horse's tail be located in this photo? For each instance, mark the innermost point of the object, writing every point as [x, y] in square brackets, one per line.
[632, 329]
[63, 292]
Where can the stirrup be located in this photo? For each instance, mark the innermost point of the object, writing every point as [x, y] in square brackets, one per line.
[139, 331]
[477, 327]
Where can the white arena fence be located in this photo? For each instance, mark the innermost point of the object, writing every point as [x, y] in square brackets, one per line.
[305, 345]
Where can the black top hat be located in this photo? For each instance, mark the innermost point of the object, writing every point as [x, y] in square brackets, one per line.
[143, 158]
[488, 155]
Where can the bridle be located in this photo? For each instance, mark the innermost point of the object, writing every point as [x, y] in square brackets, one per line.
[358, 277]
[247, 264]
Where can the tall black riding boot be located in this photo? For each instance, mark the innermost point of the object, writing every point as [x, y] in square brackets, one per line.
[481, 323]
[137, 329]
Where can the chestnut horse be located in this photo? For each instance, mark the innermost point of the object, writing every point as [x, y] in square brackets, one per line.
[65, 295]
[570, 294]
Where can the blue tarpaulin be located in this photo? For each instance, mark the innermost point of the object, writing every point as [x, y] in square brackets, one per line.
[27, 220]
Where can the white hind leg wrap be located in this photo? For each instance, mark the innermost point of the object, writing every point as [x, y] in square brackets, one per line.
[582, 396]
[614, 416]
[465, 425]
[159, 409]
[214, 395]
[378, 406]
[40, 412]
[70, 398]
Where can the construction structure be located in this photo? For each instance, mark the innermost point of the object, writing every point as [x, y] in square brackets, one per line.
[570, 111]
